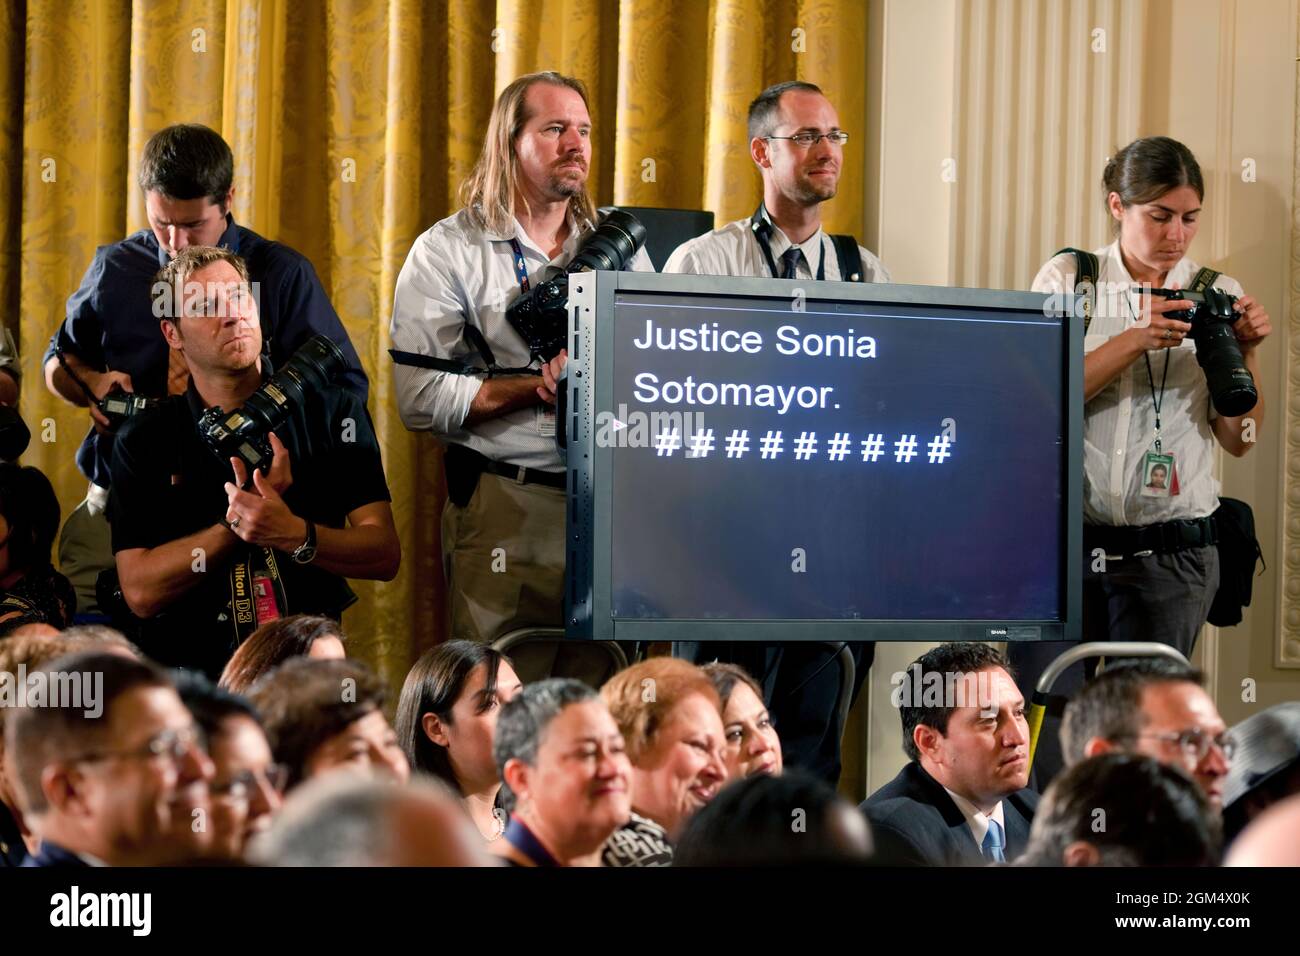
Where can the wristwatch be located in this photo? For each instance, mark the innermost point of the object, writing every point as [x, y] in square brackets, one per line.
[305, 553]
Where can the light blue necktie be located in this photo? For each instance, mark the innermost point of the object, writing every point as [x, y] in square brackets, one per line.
[994, 841]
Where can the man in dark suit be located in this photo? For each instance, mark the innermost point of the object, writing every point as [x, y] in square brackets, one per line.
[108, 769]
[961, 799]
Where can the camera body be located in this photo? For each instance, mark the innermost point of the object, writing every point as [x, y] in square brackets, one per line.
[119, 405]
[245, 433]
[1232, 387]
[539, 315]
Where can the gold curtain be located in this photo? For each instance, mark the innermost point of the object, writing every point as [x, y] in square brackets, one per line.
[352, 122]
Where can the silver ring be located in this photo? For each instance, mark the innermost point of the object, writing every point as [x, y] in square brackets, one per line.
[1169, 333]
[235, 522]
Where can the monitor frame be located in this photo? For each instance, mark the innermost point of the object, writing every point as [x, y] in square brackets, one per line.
[588, 516]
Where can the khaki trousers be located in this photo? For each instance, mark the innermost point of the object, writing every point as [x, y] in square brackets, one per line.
[503, 557]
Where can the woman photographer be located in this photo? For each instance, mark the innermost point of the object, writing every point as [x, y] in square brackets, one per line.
[1147, 404]
[1151, 567]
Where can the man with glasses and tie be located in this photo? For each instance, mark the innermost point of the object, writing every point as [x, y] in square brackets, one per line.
[1155, 707]
[110, 781]
[796, 142]
[961, 799]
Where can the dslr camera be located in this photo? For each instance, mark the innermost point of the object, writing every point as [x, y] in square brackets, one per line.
[245, 433]
[117, 405]
[539, 314]
[1232, 387]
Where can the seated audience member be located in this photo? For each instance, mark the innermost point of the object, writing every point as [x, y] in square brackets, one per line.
[1266, 767]
[564, 760]
[102, 636]
[344, 820]
[286, 539]
[1155, 707]
[246, 782]
[752, 745]
[671, 720]
[961, 799]
[298, 635]
[24, 652]
[446, 719]
[31, 591]
[1271, 839]
[791, 820]
[323, 715]
[113, 784]
[1121, 809]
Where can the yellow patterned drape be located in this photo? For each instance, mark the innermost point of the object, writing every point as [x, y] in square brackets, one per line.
[352, 122]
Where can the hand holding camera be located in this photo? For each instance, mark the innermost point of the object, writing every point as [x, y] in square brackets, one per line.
[258, 514]
[1210, 319]
[279, 475]
[1253, 326]
[1161, 328]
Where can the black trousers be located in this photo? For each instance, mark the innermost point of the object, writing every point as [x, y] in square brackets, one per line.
[801, 687]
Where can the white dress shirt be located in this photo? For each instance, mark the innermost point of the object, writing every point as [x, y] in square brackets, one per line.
[978, 820]
[458, 272]
[1119, 422]
[733, 250]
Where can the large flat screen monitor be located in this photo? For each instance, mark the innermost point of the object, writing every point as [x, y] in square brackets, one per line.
[755, 459]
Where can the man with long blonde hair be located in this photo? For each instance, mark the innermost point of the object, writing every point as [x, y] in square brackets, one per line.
[526, 208]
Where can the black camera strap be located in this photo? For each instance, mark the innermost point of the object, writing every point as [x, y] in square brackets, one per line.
[1087, 270]
[476, 339]
[1204, 279]
[762, 227]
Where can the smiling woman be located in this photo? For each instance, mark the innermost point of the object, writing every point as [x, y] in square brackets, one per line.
[562, 756]
[671, 718]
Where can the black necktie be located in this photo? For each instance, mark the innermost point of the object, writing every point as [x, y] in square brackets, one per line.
[790, 259]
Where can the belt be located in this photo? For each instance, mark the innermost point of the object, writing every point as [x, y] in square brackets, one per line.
[528, 476]
[1165, 538]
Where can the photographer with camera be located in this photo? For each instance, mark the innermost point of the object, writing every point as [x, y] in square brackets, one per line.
[208, 544]
[1164, 380]
[526, 214]
[109, 338]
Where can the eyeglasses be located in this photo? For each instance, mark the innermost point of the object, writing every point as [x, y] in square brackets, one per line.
[168, 743]
[241, 786]
[804, 140]
[1195, 743]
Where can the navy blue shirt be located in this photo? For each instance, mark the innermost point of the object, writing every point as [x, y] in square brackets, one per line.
[111, 324]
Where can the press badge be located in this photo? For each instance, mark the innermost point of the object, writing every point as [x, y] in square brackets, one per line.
[264, 602]
[1159, 475]
[546, 421]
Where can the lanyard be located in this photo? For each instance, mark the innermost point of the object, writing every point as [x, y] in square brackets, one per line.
[762, 228]
[1156, 400]
[521, 270]
[521, 838]
[1164, 376]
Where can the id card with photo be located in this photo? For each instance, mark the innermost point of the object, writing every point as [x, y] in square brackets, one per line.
[1159, 476]
[546, 421]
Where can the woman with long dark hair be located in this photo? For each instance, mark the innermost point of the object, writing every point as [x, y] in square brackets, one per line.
[446, 721]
